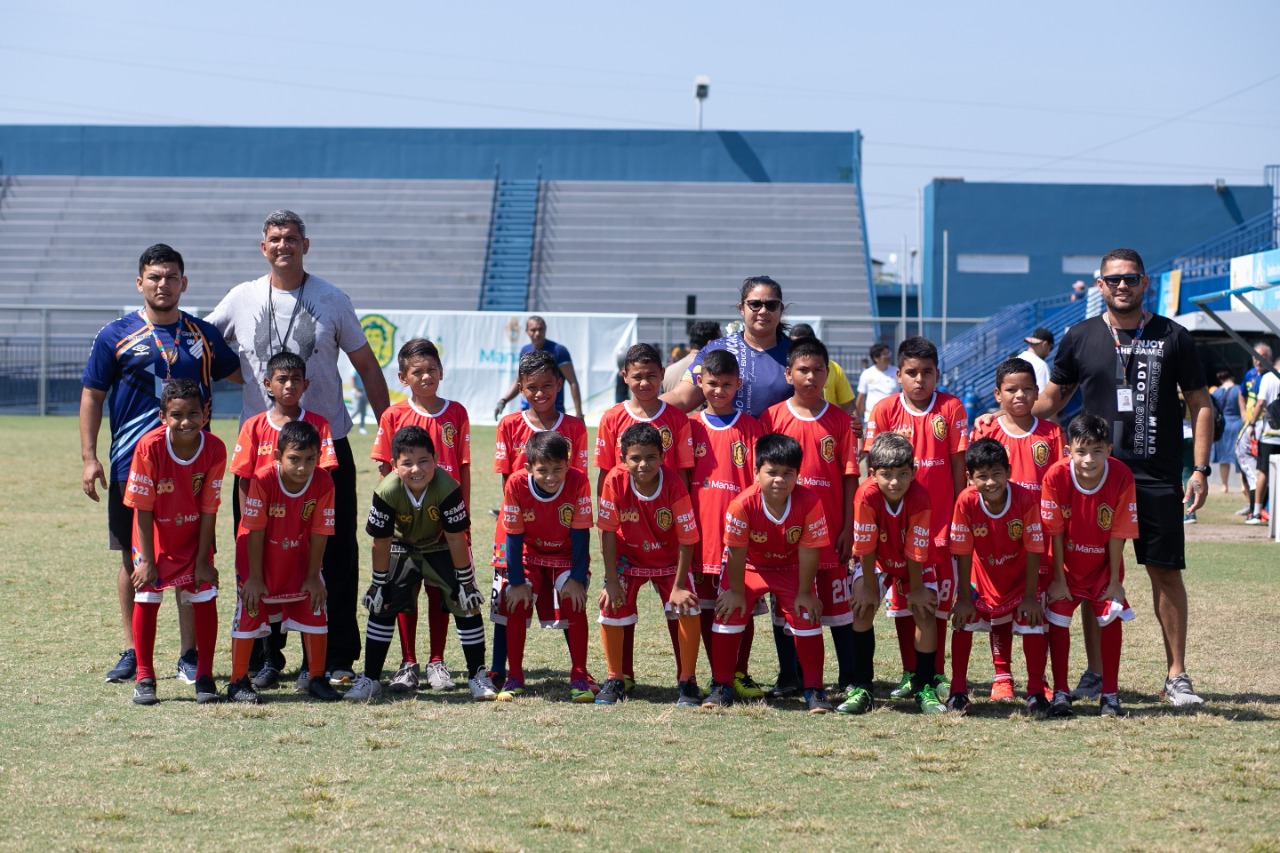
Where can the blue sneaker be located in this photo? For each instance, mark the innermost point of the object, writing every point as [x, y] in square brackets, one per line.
[125, 669]
[187, 667]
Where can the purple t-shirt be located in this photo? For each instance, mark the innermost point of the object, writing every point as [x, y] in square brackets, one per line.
[763, 373]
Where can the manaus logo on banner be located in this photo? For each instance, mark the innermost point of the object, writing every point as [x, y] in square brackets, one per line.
[381, 335]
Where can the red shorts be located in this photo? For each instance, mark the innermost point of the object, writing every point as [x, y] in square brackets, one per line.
[835, 591]
[546, 596]
[627, 613]
[943, 572]
[984, 620]
[783, 585]
[292, 615]
[894, 590]
[707, 586]
[179, 577]
[1105, 611]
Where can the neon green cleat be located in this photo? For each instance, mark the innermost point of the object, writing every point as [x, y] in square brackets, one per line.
[745, 687]
[628, 684]
[903, 690]
[857, 701]
[510, 691]
[580, 692]
[927, 701]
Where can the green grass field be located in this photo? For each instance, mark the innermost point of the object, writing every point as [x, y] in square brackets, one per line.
[82, 768]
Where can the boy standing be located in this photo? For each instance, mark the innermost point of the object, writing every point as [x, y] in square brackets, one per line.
[1089, 507]
[175, 485]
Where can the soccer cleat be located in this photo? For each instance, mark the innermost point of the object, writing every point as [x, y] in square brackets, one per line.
[904, 689]
[144, 692]
[482, 689]
[1179, 692]
[721, 696]
[580, 692]
[745, 688]
[628, 684]
[242, 691]
[438, 676]
[688, 695]
[1089, 686]
[786, 686]
[612, 692]
[941, 684]
[266, 678]
[816, 699]
[510, 691]
[1037, 706]
[303, 684]
[125, 669]
[857, 701]
[1060, 707]
[322, 689]
[1109, 706]
[1002, 690]
[1244, 510]
[958, 704]
[927, 701]
[206, 690]
[595, 688]
[1253, 518]
[365, 689]
[187, 667]
[405, 680]
[339, 677]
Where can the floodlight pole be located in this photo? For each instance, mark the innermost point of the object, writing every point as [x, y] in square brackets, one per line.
[701, 88]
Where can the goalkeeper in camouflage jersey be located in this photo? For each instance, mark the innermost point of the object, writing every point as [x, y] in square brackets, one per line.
[419, 522]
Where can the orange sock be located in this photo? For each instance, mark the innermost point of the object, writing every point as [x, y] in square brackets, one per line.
[613, 637]
[316, 646]
[241, 649]
[690, 636]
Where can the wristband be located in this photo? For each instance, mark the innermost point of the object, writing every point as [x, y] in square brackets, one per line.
[466, 575]
[1202, 469]
[379, 578]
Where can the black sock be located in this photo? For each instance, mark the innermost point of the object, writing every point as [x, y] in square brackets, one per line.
[842, 639]
[377, 640]
[924, 673]
[788, 664]
[499, 648]
[864, 657]
[471, 635]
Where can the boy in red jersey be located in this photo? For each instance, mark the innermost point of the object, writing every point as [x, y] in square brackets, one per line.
[724, 440]
[830, 468]
[997, 539]
[1032, 445]
[547, 516]
[775, 532]
[937, 427]
[892, 520]
[647, 533]
[447, 423]
[1089, 507]
[287, 515]
[175, 485]
[286, 382]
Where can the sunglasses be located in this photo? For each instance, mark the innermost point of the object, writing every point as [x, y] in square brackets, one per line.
[769, 305]
[1131, 279]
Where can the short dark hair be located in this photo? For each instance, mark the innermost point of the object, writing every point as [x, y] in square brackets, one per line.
[702, 333]
[802, 330]
[720, 362]
[641, 354]
[1086, 427]
[535, 318]
[1225, 373]
[538, 361]
[755, 281]
[645, 435]
[417, 348]
[286, 360]
[1010, 366]
[547, 446]
[282, 218]
[878, 350]
[985, 453]
[411, 437]
[778, 449]
[806, 347]
[180, 389]
[160, 253]
[890, 450]
[300, 435]
[1123, 255]
[917, 347]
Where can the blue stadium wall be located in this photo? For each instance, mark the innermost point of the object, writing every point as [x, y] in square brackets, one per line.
[1047, 222]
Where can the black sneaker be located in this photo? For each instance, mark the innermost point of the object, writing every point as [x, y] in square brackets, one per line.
[1038, 706]
[721, 696]
[321, 689]
[1109, 706]
[206, 690]
[612, 692]
[817, 701]
[1061, 705]
[242, 691]
[958, 703]
[786, 686]
[267, 678]
[688, 695]
[144, 692]
[125, 669]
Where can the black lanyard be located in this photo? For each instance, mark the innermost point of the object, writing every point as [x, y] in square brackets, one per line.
[1122, 360]
[271, 310]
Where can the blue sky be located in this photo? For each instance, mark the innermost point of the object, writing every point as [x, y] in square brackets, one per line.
[1091, 92]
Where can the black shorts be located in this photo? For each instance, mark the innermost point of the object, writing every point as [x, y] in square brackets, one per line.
[119, 519]
[1265, 452]
[1161, 541]
[409, 570]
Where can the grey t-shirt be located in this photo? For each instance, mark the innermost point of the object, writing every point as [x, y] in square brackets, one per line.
[324, 324]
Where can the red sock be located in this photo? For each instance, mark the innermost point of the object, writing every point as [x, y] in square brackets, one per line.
[809, 651]
[407, 623]
[1059, 651]
[629, 650]
[1035, 647]
[1111, 638]
[940, 656]
[144, 637]
[516, 631]
[961, 646]
[317, 648]
[205, 618]
[906, 628]
[437, 624]
[241, 651]
[724, 651]
[577, 633]
[744, 648]
[1001, 649]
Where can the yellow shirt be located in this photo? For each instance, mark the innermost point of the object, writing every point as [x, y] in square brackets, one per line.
[837, 389]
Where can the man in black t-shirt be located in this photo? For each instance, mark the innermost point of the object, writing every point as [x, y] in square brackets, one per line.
[1129, 365]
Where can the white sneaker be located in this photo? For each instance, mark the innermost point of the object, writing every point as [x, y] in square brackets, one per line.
[405, 680]
[1179, 692]
[482, 689]
[303, 684]
[1244, 510]
[1089, 686]
[438, 676]
[365, 689]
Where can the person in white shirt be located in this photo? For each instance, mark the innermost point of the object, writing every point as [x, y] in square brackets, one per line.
[877, 381]
[1040, 345]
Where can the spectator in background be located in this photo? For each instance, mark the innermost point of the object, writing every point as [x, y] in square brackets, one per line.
[1227, 396]
[1039, 345]
[1246, 440]
[536, 329]
[836, 390]
[877, 381]
[1078, 290]
[1268, 438]
[701, 333]
[361, 402]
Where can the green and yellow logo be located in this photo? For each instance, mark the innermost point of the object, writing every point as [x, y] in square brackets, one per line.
[381, 335]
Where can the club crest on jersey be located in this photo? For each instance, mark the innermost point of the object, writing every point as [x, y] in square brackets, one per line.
[759, 537]
[566, 514]
[381, 335]
[1105, 516]
[663, 517]
[433, 513]
[1040, 453]
[939, 424]
[308, 507]
[665, 432]
[1015, 529]
[827, 447]
[450, 434]
[794, 534]
[164, 487]
[738, 451]
[197, 480]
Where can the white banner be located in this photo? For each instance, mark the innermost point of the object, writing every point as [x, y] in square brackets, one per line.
[481, 350]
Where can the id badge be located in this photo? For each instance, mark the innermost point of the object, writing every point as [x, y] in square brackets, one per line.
[1124, 399]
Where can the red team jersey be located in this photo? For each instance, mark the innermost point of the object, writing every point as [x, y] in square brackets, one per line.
[936, 434]
[830, 455]
[1089, 521]
[999, 545]
[256, 444]
[450, 432]
[547, 522]
[176, 492]
[772, 543]
[1030, 455]
[723, 466]
[289, 519]
[650, 530]
[671, 423]
[895, 536]
[514, 432]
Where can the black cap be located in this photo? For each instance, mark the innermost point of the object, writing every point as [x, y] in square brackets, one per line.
[1040, 336]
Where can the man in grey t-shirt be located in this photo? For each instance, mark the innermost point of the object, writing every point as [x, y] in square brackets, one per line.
[289, 309]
